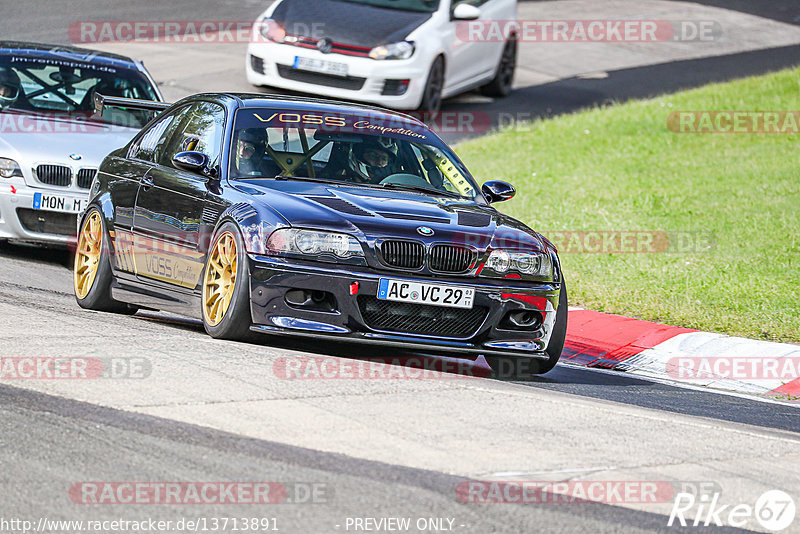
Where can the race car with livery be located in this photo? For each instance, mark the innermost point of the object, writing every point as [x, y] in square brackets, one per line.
[51, 140]
[312, 218]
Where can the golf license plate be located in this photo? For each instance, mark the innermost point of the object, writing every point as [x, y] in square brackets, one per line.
[320, 65]
[422, 293]
[62, 203]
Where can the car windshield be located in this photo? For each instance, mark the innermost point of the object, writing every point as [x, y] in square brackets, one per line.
[370, 150]
[427, 6]
[53, 85]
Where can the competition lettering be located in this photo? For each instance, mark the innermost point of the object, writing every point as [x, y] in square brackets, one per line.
[361, 125]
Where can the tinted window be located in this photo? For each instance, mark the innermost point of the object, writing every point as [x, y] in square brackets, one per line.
[66, 85]
[146, 147]
[199, 127]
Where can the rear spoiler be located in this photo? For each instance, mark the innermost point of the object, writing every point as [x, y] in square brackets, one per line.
[101, 101]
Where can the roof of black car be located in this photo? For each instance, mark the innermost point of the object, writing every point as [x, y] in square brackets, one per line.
[75, 53]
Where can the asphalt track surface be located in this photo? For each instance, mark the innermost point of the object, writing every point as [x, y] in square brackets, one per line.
[50, 442]
[55, 435]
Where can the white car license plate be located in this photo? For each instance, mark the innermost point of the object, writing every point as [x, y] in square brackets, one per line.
[320, 65]
[420, 293]
[48, 202]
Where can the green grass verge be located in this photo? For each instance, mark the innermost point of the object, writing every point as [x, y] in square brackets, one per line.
[619, 168]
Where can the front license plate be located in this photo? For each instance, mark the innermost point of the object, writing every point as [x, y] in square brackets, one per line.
[420, 293]
[320, 65]
[47, 202]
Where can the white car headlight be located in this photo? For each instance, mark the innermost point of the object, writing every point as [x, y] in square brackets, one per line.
[401, 50]
[9, 168]
[526, 263]
[272, 30]
[313, 243]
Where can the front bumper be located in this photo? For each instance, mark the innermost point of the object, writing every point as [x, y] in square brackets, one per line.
[20, 221]
[272, 278]
[271, 57]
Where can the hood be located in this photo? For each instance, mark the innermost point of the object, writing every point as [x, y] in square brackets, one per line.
[347, 22]
[31, 140]
[371, 214]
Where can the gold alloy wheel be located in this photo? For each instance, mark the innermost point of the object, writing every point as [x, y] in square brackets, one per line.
[88, 253]
[220, 279]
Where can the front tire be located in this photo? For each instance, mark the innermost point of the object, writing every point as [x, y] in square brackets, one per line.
[432, 95]
[226, 287]
[92, 276]
[500, 364]
[559, 335]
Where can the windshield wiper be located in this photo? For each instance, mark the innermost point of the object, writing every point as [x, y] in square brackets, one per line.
[421, 189]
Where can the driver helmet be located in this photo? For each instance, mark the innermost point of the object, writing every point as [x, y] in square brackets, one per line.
[373, 159]
[10, 86]
[254, 136]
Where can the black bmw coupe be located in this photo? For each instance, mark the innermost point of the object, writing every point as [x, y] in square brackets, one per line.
[313, 218]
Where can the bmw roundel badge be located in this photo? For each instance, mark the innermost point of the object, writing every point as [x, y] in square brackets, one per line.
[424, 230]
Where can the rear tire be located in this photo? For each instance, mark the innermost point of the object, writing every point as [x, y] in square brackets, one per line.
[92, 276]
[226, 287]
[500, 85]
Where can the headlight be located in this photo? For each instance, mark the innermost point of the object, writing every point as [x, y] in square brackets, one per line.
[401, 50]
[532, 264]
[272, 31]
[314, 243]
[9, 168]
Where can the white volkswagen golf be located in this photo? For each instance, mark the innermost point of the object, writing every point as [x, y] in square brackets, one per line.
[403, 54]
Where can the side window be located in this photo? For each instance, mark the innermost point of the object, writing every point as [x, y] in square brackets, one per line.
[145, 148]
[199, 127]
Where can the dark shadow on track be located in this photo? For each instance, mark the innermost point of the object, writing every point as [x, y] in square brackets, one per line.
[36, 253]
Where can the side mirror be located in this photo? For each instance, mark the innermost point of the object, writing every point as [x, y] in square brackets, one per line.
[497, 191]
[466, 12]
[195, 162]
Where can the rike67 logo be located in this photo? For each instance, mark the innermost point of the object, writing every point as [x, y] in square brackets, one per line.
[774, 511]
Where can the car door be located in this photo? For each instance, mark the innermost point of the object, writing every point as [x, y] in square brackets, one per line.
[124, 186]
[475, 55]
[498, 13]
[172, 203]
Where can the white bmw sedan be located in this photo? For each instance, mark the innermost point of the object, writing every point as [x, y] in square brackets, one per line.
[51, 138]
[403, 54]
